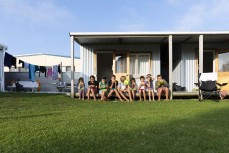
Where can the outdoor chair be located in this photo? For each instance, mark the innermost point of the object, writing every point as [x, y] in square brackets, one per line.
[208, 86]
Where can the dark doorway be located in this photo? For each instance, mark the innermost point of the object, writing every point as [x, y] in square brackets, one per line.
[104, 65]
[208, 61]
[165, 61]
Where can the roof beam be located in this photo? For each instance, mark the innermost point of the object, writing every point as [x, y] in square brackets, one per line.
[187, 39]
[163, 40]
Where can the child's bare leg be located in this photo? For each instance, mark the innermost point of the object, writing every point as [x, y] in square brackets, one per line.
[130, 96]
[133, 93]
[108, 96]
[149, 94]
[117, 94]
[144, 94]
[80, 95]
[93, 94]
[122, 95]
[102, 95]
[140, 95]
[88, 94]
[152, 94]
[159, 91]
[167, 93]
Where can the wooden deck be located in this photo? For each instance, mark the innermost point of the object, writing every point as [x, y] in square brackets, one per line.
[175, 94]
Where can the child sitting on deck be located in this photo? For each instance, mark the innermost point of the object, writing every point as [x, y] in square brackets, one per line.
[133, 87]
[150, 88]
[123, 88]
[113, 85]
[92, 87]
[162, 86]
[142, 88]
[81, 87]
[103, 88]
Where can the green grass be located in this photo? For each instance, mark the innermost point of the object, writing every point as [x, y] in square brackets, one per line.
[57, 123]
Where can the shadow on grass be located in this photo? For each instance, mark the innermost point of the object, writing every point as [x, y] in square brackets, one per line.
[206, 132]
[30, 116]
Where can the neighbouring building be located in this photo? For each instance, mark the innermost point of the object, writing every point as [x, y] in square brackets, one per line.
[43, 59]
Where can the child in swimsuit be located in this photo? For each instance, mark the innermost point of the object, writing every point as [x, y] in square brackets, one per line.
[142, 88]
[81, 88]
[133, 87]
[103, 88]
[149, 85]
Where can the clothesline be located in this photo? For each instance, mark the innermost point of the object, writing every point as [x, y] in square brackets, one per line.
[50, 71]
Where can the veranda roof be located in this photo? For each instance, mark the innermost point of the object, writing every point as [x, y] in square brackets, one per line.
[89, 38]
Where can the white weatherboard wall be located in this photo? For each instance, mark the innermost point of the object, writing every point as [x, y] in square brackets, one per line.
[87, 60]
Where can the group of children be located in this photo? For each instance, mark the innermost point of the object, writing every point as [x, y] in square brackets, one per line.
[124, 89]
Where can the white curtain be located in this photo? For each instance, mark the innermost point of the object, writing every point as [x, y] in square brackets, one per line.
[2, 55]
[143, 64]
[156, 58]
[121, 63]
[188, 69]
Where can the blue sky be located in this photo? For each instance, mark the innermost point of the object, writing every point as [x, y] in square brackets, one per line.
[43, 26]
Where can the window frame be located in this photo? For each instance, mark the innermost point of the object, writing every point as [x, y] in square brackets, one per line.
[136, 62]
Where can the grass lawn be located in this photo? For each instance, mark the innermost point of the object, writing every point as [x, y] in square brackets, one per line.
[57, 123]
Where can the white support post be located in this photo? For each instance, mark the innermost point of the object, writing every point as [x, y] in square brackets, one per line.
[171, 65]
[72, 68]
[201, 52]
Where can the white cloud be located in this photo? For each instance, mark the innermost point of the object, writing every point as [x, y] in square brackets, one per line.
[40, 13]
[206, 15]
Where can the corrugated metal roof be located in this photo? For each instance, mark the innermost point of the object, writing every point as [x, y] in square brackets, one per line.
[88, 38]
[147, 33]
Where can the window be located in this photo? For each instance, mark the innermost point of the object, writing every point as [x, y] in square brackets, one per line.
[223, 62]
[63, 68]
[68, 68]
[139, 64]
[120, 63]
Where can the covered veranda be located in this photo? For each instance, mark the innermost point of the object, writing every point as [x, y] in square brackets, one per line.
[114, 39]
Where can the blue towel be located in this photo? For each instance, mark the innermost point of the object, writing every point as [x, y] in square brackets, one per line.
[32, 70]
